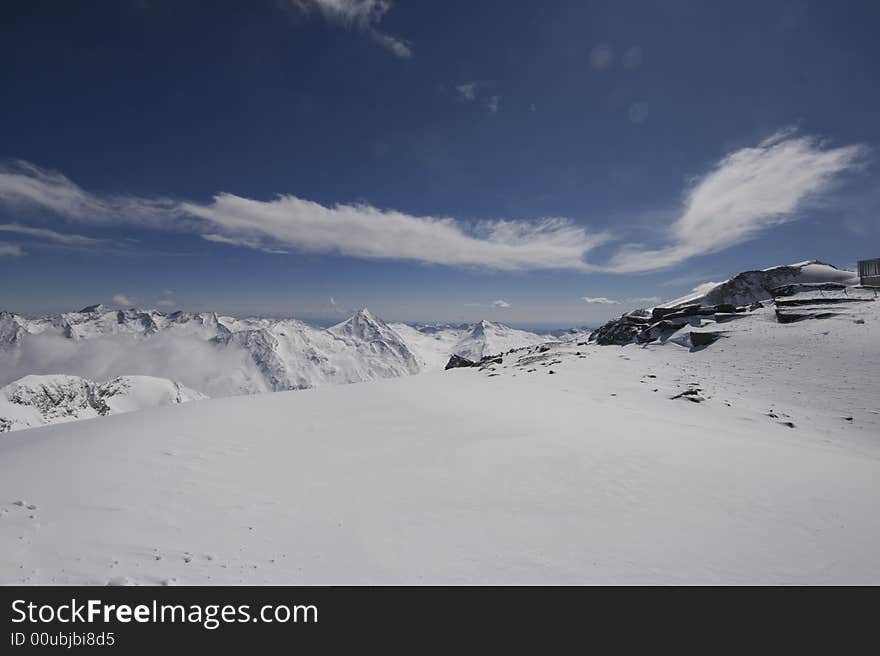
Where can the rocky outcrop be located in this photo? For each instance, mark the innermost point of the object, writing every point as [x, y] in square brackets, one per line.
[40, 400]
[801, 301]
[645, 326]
[457, 361]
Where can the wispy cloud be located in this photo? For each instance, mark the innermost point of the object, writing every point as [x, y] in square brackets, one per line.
[22, 183]
[362, 15]
[288, 221]
[500, 304]
[166, 303]
[603, 300]
[241, 241]
[467, 90]
[49, 235]
[746, 193]
[494, 104]
[368, 232]
[10, 250]
[123, 301]
[601, 57]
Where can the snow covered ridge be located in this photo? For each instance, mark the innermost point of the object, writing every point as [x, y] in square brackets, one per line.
[250, 355]
[815, 283]
[41, 400]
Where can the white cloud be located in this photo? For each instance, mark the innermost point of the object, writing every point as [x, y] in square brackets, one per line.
[192, 361]
[23, 184]
[240, 241]
[49, 235]
[468, 90]
[165, 302]
[494, 104]
[363, 15]
[367, 232]
[746, 193]
[501, 303]
[601, 57]
[123, 301]
[10, 250]
[354, 230]
[602, 300]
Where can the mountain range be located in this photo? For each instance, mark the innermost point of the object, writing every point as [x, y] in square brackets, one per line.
[249, 355]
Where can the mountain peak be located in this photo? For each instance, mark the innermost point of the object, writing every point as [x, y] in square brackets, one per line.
[94, 309]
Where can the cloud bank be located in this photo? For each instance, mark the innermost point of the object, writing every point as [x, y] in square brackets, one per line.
[746, 193]
[194, 362]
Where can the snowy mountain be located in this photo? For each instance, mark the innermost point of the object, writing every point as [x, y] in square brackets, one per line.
[716, 303]
[40, 400]
[751, 286]
[487, 338]
[433, 344]
[754, 460]
[290, 354]
[221, 355]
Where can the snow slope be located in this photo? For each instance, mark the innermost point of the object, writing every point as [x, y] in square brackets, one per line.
[564, 464]
[40, 400]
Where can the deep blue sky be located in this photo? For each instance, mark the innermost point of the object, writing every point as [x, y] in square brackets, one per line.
[605, 114]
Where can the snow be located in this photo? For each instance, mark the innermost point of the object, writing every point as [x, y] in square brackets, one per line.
[222, 355]
[750, 286]
[500, 474]
[488, 338]
[40, 400]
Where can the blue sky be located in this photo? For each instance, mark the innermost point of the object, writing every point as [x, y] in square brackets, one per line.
[431, 160]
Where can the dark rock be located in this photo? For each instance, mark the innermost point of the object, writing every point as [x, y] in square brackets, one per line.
[792, 317]
[699, 340]
[793, 302]
[617, 331]
[456, 361]
[661, 313]
[692, 394]
[796, 288]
